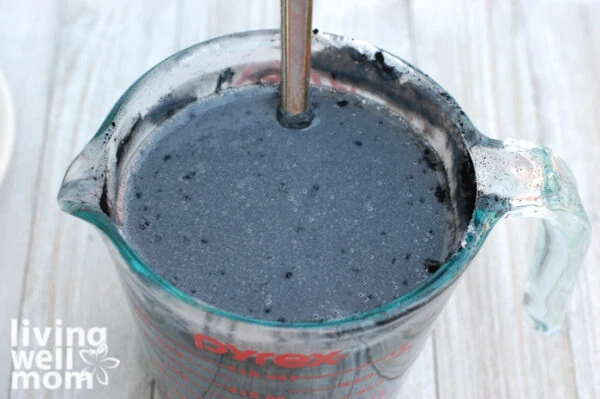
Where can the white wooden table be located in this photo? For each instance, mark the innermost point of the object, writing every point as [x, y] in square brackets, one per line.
[523, 69]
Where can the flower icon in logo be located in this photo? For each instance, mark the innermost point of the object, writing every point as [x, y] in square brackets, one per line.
[98, 362]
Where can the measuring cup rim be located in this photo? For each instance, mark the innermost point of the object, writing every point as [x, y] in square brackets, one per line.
[479, 225]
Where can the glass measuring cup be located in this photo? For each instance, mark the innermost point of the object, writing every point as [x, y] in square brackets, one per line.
[198, 351]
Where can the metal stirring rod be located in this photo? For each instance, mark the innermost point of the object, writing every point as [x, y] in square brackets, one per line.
[296, 26]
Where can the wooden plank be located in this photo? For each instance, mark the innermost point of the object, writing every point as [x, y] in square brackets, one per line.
[29, 74]
[103, 48]
[565, 59]
[484, 347]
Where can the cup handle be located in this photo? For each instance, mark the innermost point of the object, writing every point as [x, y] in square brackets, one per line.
[519, 178]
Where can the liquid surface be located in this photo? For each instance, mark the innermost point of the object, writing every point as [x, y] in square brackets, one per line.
[287, 225]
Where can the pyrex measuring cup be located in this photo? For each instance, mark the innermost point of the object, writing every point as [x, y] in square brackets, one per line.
[198, 351]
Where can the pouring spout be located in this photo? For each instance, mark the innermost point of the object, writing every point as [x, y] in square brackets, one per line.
[84, 189]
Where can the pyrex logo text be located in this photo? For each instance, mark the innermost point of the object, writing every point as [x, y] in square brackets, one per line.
[286, 360]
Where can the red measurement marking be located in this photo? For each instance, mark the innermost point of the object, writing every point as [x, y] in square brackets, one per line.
[180, 355]
[234, 390]
[285, 360]
[251, 374]
[249, 74]
[367, 389]
[315, 78]
[170, 367]
[320, 358]
[394, 354]
[157, 364]
[176, 362]
[174, 370]
[331, 388]
[162, 387]
[147, 321]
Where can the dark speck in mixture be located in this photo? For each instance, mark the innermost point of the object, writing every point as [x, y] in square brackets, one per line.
[440, 193]
[188, 175]
[144, 224]
[432, 265]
